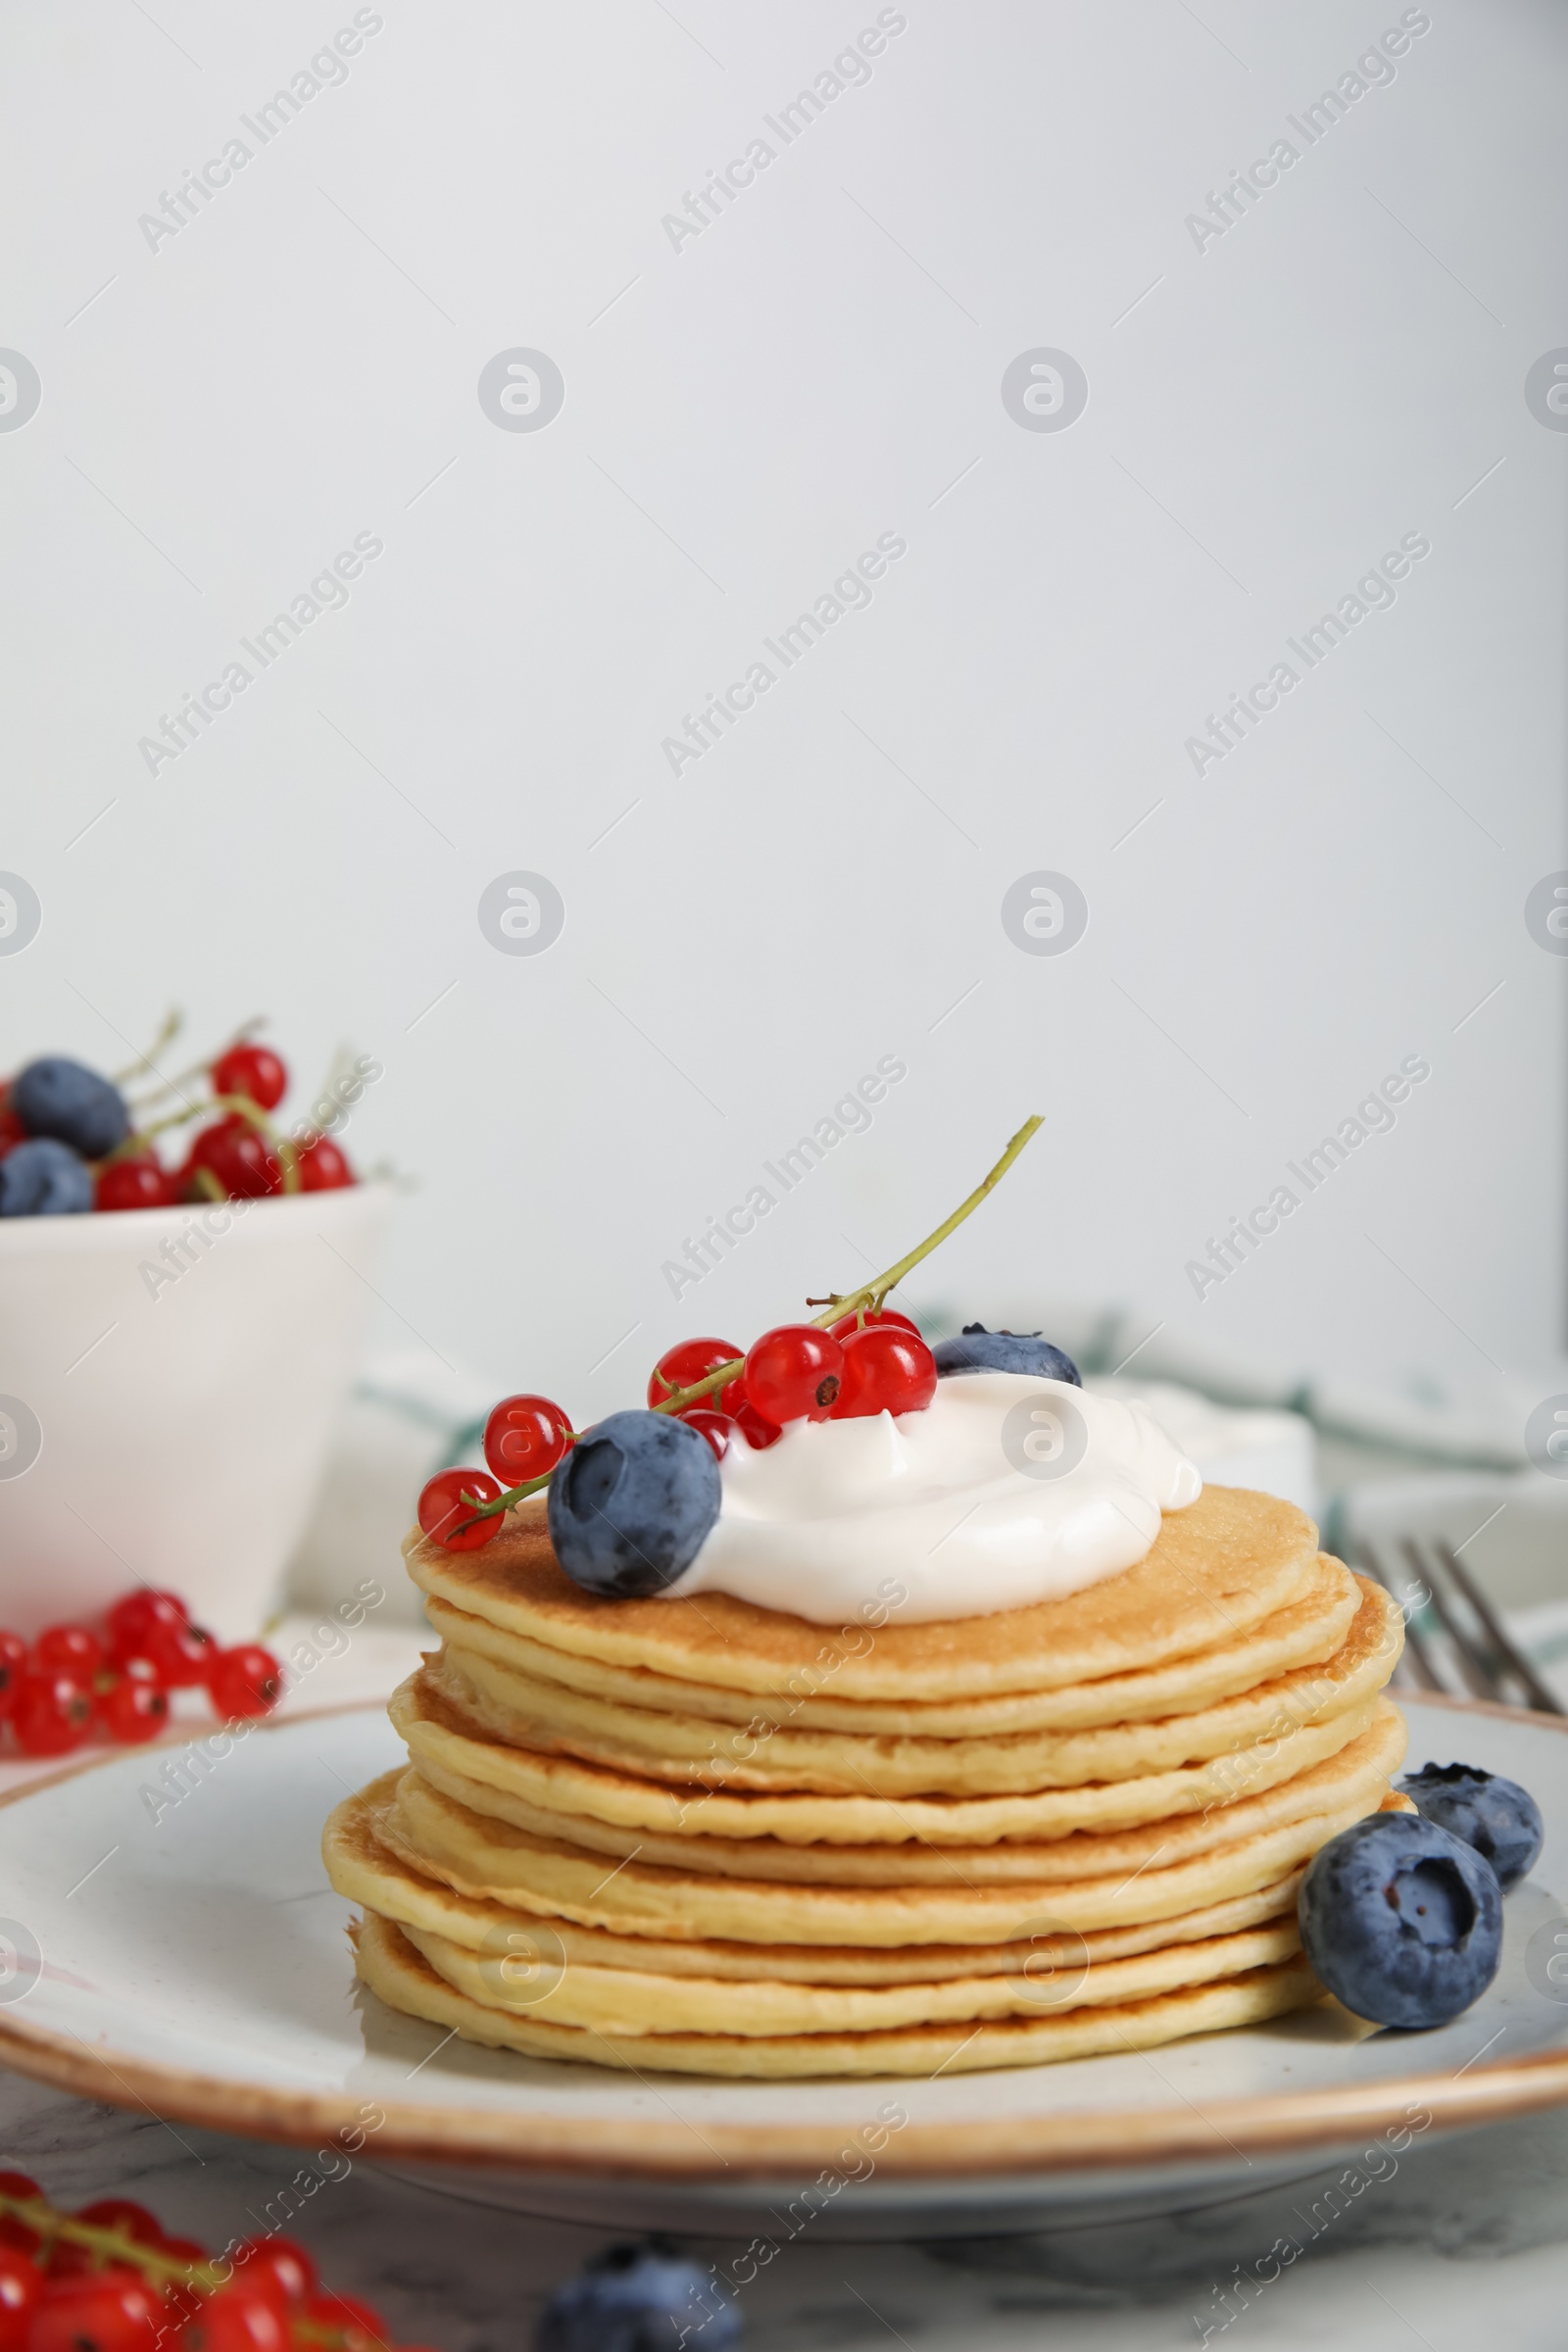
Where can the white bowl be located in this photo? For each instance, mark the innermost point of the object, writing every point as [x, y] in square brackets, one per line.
[168, 1382]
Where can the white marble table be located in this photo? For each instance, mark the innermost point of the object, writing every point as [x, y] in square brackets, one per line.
[1466, 2242]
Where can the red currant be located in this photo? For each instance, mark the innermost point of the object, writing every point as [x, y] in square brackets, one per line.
[99, 2311]
[124, 2213]
[886, 1370]
[525, 1436]
[20, 2286]
[866, 1318]
[323, 1169]
[794, 1371]
[241, 1160]
[247, 1681]
[15, 2234]
[277, 2263]
[241, 2317]
[53, 1714]
[134, 1709]
[758, 1433]
[183, 2302]
[12, 1131]
[254, 1072]
[13, 1665]
[716, 1428]
[139, 1183]
[180, 1655]
[68, 1650]
[359, 2323]
[690, 1360]
[443, 1511]
[132, 1616]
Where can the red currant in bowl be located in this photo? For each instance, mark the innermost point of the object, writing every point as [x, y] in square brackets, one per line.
[525, 1437]
[140, 1183]
[254, 1072]
[886, 1370]
[322, 1167]
[446, 1509]
[180, 1655]
[239, 1158]
[793, 1372]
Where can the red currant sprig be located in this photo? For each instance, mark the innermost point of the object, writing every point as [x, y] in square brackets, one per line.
[801, 1368]
[110, 2279]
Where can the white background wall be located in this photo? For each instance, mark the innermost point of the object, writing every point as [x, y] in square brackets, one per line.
[742, 416]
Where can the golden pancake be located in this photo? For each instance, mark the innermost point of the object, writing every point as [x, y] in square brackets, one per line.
[622, 2002]
[1227, 1562]
[1346, 1779]
[562, 1785]
[368, 1871]
[479, 1856]
[548, 1718]
[1308, 1630]
[389, 1963]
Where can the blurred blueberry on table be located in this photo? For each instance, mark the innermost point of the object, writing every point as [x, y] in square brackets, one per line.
[639, 2299]
[40, 1178]
[632, 1501]
[1401, 1920]
[1499, 1818]
[60, 1098]
[982, 1350]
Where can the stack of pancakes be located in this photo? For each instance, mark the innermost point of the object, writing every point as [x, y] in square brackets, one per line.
[698, 1836]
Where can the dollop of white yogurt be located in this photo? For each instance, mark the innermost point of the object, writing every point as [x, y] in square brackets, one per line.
[1006, 1489]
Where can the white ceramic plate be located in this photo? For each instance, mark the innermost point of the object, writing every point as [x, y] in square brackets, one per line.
[196, 1964]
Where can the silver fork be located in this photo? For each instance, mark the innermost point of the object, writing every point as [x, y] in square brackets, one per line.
[1490, 1663]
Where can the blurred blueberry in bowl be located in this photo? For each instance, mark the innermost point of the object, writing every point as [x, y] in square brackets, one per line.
[41, 1178]
[63, 1099]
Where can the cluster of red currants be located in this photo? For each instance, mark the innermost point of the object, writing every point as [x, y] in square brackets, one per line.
[109, 2279]
[872, 1361]
[234, 1155]
[74, 1685]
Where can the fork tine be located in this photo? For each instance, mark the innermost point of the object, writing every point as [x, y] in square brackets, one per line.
[1474, 1664]
[1416, 1658]
[1513, 1658]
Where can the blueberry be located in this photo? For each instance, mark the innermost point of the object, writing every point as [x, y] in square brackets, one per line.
[1499, 1818]
[60, 1098]
[1403, 1921]
[640, 2299]
[982, 1350]
[631, 1503]
[42, 1179]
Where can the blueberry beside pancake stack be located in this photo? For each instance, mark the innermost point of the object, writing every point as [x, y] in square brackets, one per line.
[691, 1833]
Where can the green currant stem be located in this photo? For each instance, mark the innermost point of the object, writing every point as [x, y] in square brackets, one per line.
[157, 2266]
[869, 1295]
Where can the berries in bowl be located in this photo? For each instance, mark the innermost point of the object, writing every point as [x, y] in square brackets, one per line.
[185, 1269]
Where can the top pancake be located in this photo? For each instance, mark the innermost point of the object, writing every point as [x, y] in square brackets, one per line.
[1225, 1563]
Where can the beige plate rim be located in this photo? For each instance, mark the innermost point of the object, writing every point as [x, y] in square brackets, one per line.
[528, 2142]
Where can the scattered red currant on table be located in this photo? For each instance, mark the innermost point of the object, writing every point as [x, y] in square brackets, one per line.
[110, 2278]
[75, 1684]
